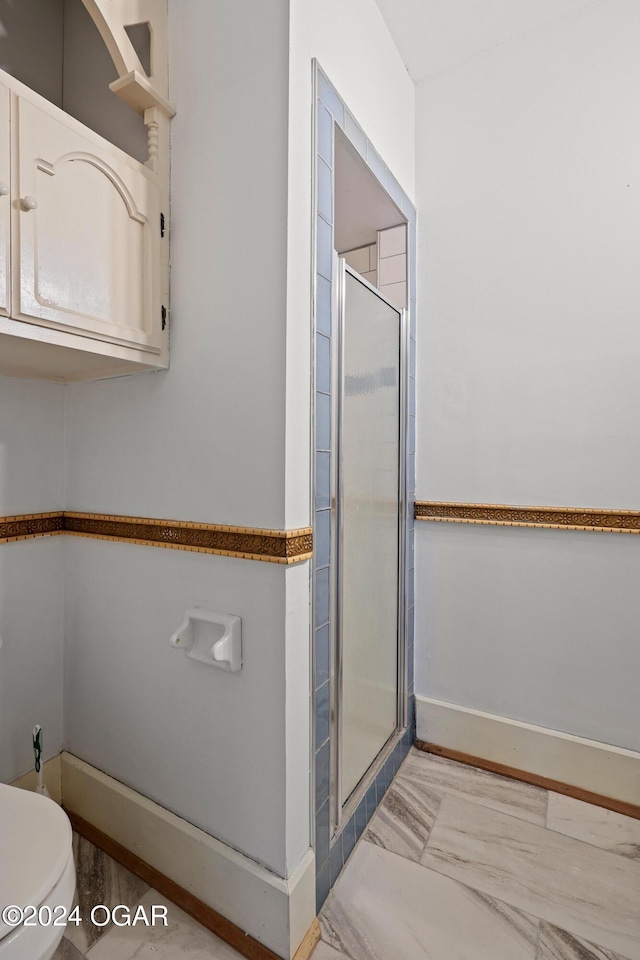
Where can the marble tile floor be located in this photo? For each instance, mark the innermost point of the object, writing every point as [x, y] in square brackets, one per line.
[457, 864]
[101, 880]
[461, 864]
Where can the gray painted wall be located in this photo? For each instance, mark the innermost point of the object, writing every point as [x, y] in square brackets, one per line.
[528, 390]
[32, 413]
[31, 586]
[203, 441]
[535, 625]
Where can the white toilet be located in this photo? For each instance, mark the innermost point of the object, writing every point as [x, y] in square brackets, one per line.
[36, 869]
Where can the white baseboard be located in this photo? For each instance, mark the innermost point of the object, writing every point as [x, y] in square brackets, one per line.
[597, 767]
[51, 776]
[276, 912]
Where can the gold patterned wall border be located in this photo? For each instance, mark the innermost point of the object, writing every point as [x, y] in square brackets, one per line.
[249, 543]
[551, 518]
[26, 526]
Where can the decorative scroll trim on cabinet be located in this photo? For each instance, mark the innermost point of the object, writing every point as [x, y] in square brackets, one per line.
[146, 94]
[112, 17]
[552, 518]
[153, 134]
[248, 543]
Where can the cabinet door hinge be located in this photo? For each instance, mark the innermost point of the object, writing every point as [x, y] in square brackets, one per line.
[162, 224]
[164, 316]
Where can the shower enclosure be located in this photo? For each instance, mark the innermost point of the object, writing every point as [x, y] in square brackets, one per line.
[368, 508]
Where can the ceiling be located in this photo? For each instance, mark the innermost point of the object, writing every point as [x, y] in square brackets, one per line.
[434, 36]
[361, 206]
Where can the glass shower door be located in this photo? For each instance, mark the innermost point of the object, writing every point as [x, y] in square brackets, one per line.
[369, 525]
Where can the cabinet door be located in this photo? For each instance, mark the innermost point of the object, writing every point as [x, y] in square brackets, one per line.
[86, 256]
[5, 200]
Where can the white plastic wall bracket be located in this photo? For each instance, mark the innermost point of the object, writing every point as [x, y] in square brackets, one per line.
[212, 638]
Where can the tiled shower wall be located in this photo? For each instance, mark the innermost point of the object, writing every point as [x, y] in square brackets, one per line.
[384, 263]
[331, 853]
[392, 264]
[365, 261]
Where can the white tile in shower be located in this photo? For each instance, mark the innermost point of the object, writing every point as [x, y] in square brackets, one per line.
[393, 269]
[358, 259]
[393, 241]
[396, 292]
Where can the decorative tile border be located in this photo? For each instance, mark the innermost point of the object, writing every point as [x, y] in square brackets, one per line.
[248, 543]
[331, 853]
[28, 525]
[550, 518]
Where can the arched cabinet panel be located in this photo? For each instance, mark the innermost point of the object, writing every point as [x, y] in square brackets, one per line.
[5, 200]
[87, 222]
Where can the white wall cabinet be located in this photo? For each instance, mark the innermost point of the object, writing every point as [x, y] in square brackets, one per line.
[5, 199]
[82, 259]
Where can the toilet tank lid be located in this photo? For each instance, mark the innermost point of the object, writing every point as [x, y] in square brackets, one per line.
[35, 845]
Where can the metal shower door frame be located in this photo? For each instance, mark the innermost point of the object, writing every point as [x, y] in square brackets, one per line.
[340, 812]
